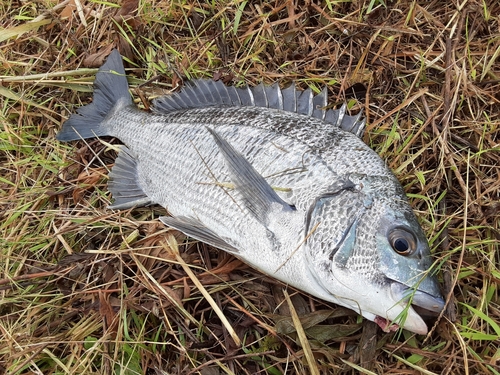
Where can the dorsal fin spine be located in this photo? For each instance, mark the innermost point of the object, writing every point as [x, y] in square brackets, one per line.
[279, 95]
[233, 95]
[260, 96]
[208, 93]
[341, 111]
[250, 94]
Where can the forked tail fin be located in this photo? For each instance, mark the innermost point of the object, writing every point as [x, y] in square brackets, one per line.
[110, 90]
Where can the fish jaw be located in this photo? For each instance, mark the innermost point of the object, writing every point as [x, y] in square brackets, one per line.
[385, 302]
[398, 311]
[394, 314]
[409, 298]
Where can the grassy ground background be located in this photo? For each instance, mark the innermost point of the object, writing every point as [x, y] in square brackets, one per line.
[86, 290]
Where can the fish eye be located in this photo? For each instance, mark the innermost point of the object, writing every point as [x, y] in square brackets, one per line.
[402, 241]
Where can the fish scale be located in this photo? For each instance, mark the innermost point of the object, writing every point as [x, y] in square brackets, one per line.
[275, 179]
[206, 170]
[264, 153]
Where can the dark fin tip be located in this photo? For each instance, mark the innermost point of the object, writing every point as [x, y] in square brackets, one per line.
[110, 90]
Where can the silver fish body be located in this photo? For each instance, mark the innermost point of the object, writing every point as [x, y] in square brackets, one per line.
[270, 177]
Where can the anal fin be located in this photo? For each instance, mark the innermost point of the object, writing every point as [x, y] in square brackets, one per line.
[124, 183]
[195, 229]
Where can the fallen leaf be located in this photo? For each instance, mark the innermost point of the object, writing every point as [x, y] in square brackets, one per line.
[67, 12]
[128, 8]
[324, 333]
[285, 325]
[107, 312]
[86, 181]
[95, 60]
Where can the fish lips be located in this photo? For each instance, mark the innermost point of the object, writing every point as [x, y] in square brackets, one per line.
[433, 304]
[425, 304]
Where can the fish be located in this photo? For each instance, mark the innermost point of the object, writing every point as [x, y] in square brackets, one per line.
[275, 178]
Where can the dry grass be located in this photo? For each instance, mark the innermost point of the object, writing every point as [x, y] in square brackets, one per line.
[85, 290]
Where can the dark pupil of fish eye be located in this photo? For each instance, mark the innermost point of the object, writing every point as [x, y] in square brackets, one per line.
[401, 245]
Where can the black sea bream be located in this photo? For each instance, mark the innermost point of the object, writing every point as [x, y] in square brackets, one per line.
[269, 176]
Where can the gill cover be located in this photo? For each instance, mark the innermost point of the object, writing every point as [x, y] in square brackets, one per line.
[332, 238]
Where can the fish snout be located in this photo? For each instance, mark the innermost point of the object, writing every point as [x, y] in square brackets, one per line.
[432, 305]
[427, 304]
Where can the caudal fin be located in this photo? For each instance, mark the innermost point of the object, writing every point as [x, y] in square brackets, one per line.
[110, 89]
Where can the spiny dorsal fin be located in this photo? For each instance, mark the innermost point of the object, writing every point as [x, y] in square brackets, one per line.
[201, 93]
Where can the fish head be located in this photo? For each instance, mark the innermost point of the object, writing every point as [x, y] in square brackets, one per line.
[405, 266]
[369, 253]
[405, 260]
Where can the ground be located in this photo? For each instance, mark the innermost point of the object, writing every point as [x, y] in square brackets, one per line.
[92, 291]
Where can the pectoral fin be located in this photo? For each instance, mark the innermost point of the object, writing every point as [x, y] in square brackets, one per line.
[257, 194]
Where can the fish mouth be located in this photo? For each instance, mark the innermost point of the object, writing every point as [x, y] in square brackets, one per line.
[423, 306]
[385, 324]
[429, 304]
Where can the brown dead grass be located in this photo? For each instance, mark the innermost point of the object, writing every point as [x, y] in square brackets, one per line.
[86, 290]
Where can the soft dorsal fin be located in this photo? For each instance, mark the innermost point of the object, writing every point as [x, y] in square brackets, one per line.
[201, 93]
